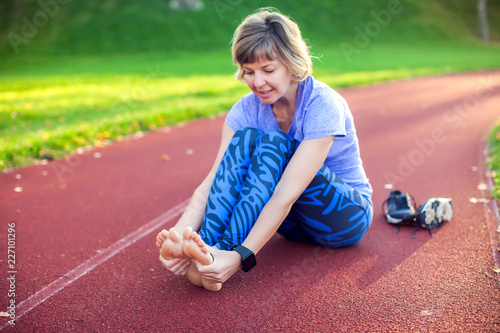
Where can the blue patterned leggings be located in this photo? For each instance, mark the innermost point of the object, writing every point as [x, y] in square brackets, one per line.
[329, 213]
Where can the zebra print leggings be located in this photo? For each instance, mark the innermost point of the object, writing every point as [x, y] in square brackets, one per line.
[329, 212]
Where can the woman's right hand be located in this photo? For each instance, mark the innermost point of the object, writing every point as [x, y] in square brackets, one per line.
[178, 266]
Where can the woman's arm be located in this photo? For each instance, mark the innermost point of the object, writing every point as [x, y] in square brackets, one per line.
[193, 215]
[300, 171]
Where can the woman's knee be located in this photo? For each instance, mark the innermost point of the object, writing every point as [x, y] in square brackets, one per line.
[244, 141]
[278, 142]
[248, 131]
[276, 136]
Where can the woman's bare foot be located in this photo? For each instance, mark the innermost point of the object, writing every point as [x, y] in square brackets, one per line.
[170, 244]
[195, 248]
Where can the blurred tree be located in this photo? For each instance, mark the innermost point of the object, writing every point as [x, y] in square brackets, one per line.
[483, 20]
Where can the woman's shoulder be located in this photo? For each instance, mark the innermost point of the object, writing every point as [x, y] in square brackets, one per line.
[318, 90]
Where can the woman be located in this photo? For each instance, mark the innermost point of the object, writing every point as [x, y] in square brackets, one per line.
[288, 162]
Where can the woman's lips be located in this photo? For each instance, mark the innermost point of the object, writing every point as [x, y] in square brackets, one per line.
[265, 93]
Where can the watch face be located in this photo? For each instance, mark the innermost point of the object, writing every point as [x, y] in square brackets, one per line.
[248, 263]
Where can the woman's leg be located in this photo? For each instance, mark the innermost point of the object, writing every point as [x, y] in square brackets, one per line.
[227, 184]
[271, 156]
[329, 213]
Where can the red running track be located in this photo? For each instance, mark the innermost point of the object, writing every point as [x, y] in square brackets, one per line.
[85, 229]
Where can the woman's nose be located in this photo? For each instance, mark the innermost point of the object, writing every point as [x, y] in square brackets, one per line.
[259, 80]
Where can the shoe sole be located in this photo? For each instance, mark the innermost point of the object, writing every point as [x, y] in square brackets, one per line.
[393, 220]
[434, 212]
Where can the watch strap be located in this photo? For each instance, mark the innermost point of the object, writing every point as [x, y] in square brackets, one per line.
[247, 257]
[243, 251]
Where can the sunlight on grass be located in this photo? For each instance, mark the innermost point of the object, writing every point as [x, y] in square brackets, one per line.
[369, 77]
[90, 102]
[39, 120]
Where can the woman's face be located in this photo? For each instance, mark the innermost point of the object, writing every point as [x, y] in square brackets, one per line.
[270, 80]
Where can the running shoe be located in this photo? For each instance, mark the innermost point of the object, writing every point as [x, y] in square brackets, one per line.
[400, 209]
[432, 213]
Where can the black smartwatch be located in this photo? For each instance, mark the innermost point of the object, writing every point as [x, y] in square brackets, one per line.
[247, 257]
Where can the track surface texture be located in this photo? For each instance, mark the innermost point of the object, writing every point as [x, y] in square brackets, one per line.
[83, 266]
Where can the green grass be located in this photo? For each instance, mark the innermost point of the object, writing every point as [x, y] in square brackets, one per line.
[55, 115]
[132, 26]
[494, 163]
[92, 99]
[99, 71]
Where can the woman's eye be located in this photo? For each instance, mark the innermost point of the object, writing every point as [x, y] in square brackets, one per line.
[248, 73]
[269, 72]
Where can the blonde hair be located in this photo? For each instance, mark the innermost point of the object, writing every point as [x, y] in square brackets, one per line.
[269, 34]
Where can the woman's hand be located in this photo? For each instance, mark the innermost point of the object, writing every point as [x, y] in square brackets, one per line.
[225, 264]
[178, 266]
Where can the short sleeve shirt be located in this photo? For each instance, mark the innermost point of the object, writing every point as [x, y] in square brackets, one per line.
[319, 112]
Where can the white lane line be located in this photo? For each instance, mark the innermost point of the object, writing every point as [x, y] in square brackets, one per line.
[53, 288]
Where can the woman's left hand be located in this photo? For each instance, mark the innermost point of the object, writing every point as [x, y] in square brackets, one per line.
[225, 264]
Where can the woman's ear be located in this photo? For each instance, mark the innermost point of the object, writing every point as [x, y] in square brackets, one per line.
[296, 77]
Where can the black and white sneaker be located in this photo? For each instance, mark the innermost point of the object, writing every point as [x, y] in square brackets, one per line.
[400, 209]
[432, 213]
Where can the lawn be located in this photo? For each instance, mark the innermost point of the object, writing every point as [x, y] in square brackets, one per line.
[494, 162]
[49, 107]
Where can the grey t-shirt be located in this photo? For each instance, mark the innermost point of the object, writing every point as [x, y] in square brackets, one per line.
[319, 112]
